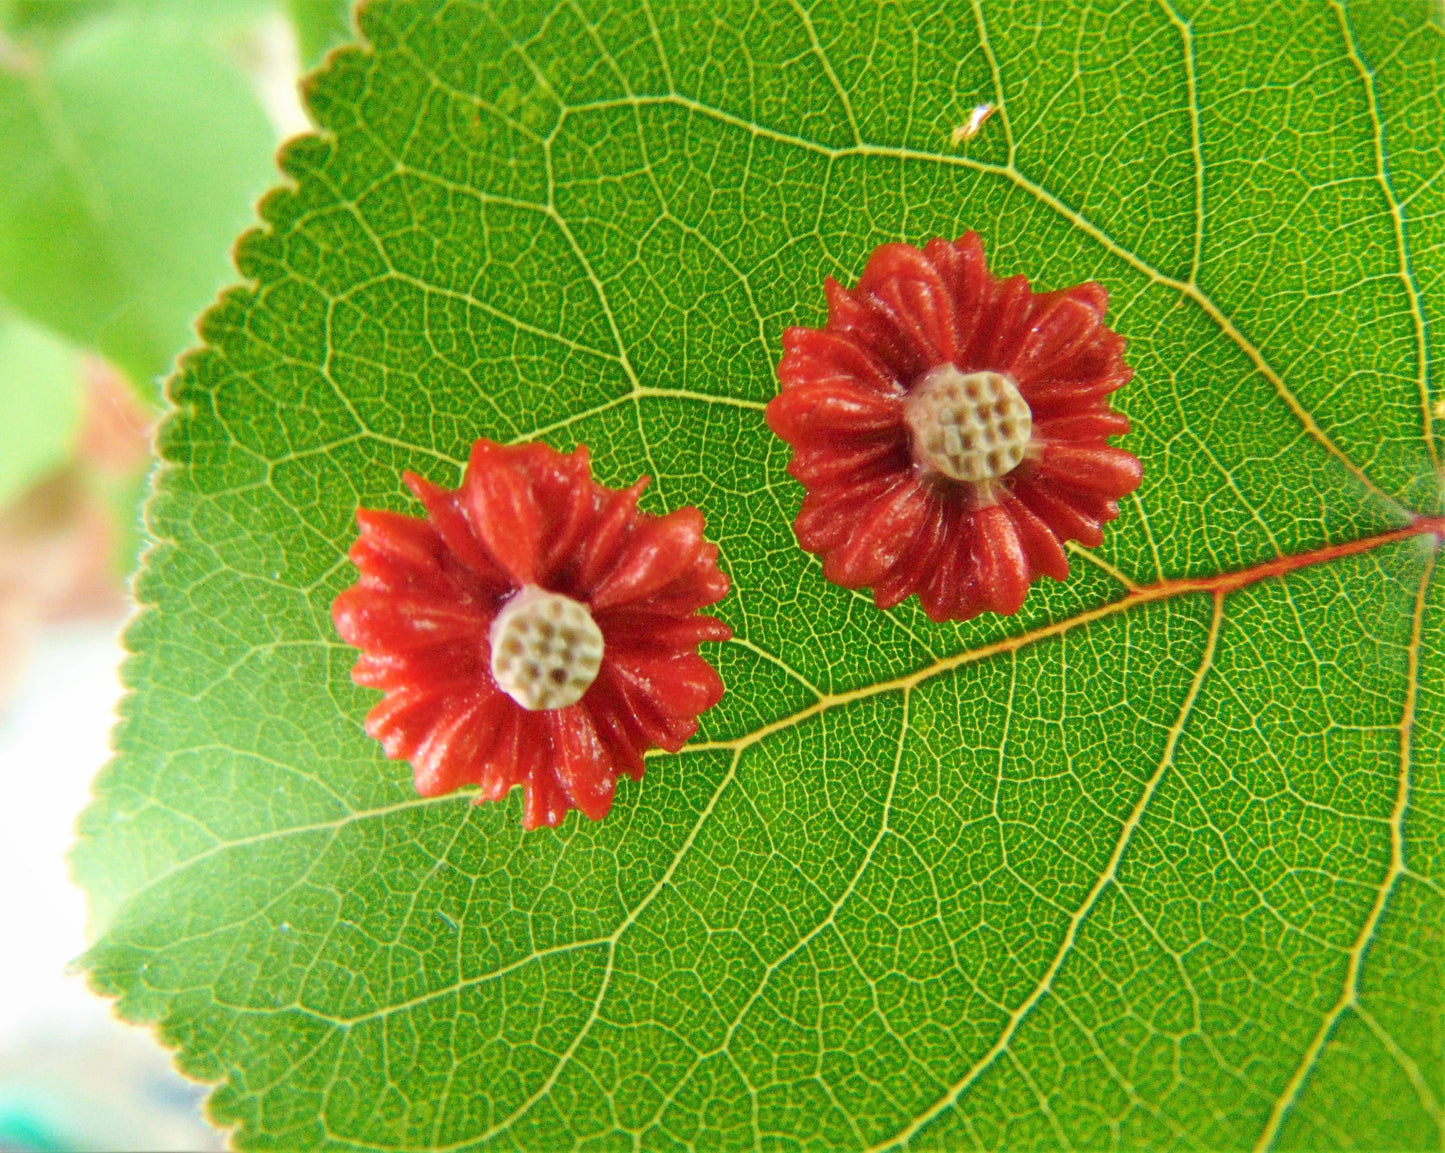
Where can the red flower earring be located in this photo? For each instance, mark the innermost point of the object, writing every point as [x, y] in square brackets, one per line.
[533, 629]
[951, 429]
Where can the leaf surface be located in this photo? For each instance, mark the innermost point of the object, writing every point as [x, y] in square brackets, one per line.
[1153, 863]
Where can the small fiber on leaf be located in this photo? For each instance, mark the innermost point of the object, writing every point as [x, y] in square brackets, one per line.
[952, 429]
[534, 628]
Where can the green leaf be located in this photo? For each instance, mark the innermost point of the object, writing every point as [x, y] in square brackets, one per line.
[1155, 862]
[132, 146]
[39, 403]
[320, 26]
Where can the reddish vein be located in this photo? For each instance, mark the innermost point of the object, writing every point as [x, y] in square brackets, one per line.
[1219, 585]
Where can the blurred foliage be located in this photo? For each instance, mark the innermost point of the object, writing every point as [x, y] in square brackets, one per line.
[135, 138]
[39, 402]
[136, 145]
[321, 25]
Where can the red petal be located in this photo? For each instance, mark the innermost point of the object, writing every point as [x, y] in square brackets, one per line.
[836, 464]
[579, 762]
[913, 567]
[656, 553]
[1101, 469]
[1003, 568]
[387, 619]
[455, 530]
[1065, 520]
[904, 285]
[829, 515]
[1009, 306]
[815, 356]
[675, 686]
[870, 328]
[567, 498]
[884, 532]
[1046, 555]
[1090, 426]
[1057, 332]
[812, 412]
[617, 730]
[629, 631]
[951, 591]
[508, 762]
[396, 550]
[1092, 370]
[1092, 293]
[607, 536]
[962, 267]
[503, 512]
[546, 802]
[401, 720]
[456, 746]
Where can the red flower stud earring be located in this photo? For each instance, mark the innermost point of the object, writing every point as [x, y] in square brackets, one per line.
[534, 629]
[951, 429]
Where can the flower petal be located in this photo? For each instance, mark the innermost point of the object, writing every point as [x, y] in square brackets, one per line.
[607, 535]
[829, 409]
[456, 746]
[829, 515]
[884, 532]
[546, 801]
[1065, 520]
[1061, 324]
[455, 530]
[397, 550]
[401, 720]
[1086, 426]
[962, 267]
[1093, 369]
[997, 342]
[1046, 555]
[390, 620]
[1097, 468]
[908, 289]
[645, 632]
[1003, 566]
[951, 591]
[578, 761]
[835, 464]
[678, 685]
[502, 509]
[655, 554]
[567, 499]
[913, 566]
[851, 315]
[815, 356]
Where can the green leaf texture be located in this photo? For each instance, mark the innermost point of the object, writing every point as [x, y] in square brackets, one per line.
[1155, 863]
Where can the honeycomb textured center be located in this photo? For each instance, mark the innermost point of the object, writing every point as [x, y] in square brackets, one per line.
[968, 426]
[546, 649]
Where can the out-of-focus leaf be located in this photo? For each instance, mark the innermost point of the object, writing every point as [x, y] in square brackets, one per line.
[320, 26]
[40, 381]
[132, 148]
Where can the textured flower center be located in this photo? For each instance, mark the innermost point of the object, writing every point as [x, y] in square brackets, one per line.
[546, 649]
[970, 426]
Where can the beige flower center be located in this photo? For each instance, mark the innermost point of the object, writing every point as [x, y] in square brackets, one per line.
[969, 426]
[546, 649]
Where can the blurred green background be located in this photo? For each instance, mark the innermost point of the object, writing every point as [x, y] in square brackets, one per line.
[135, 138]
